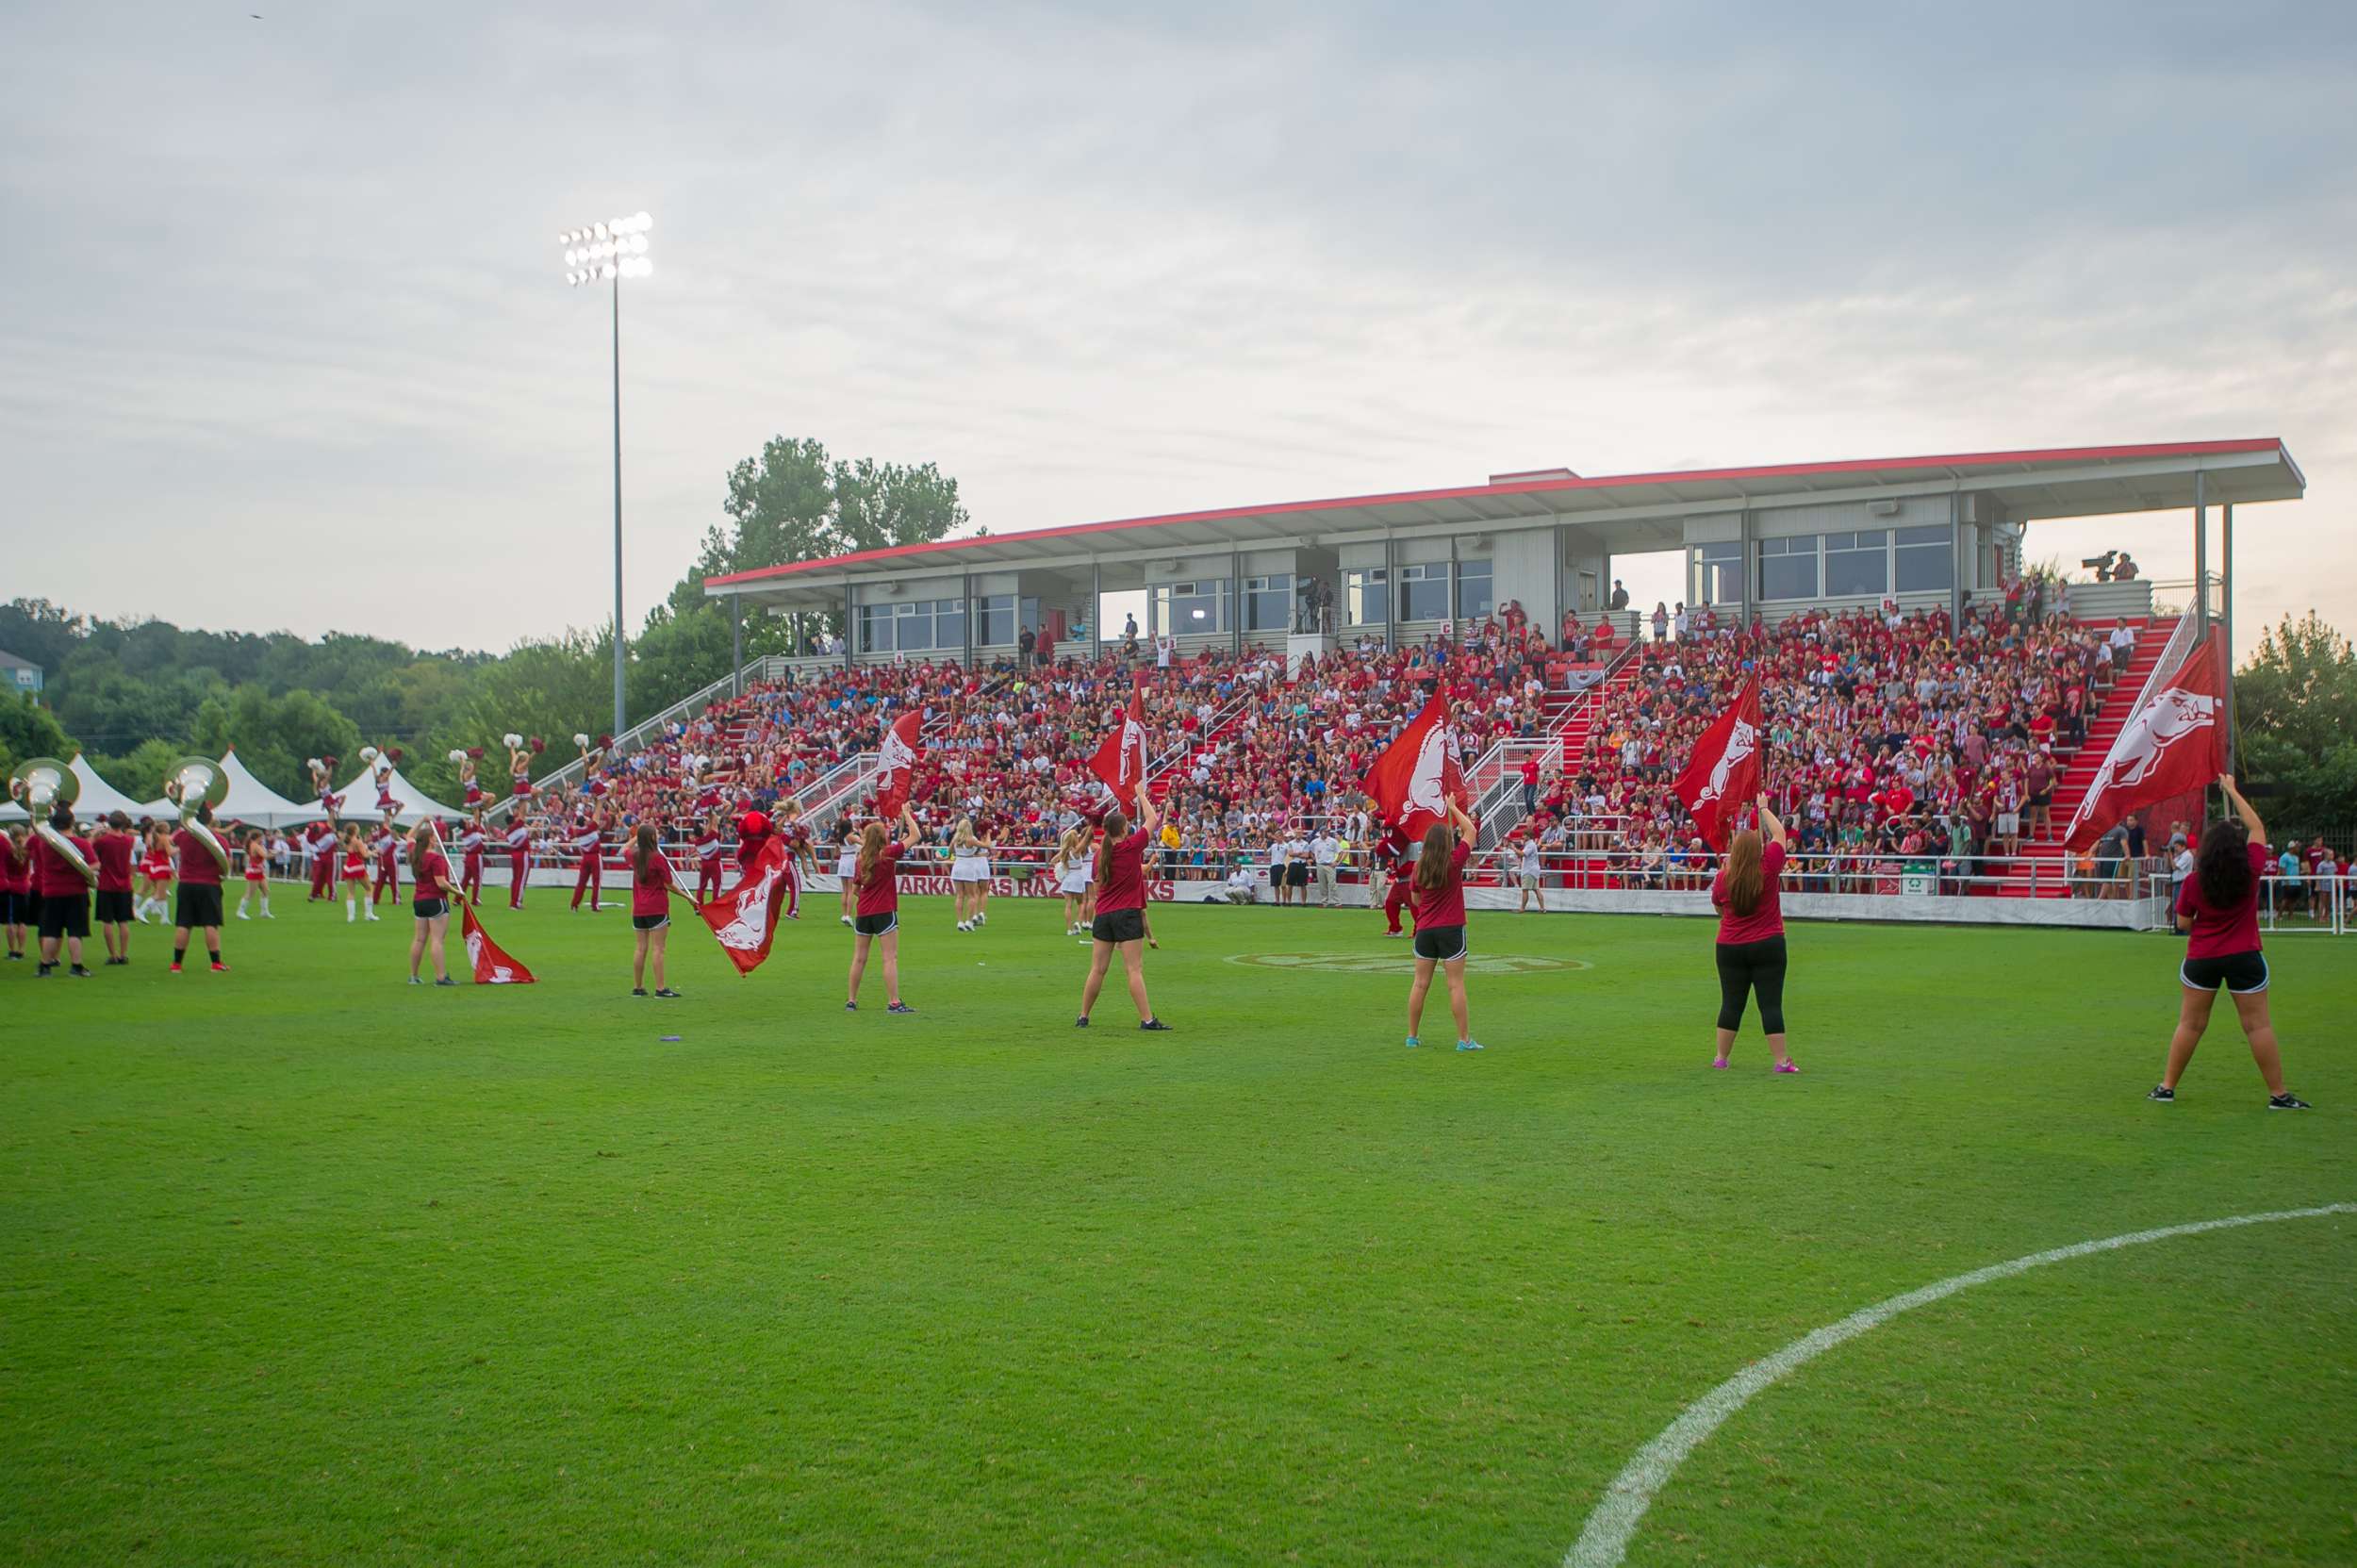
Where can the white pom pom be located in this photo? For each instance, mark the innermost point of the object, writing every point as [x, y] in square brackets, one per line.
[368, 753]
[580, 740]
[457, 756]
[513, 739]
[314, 762]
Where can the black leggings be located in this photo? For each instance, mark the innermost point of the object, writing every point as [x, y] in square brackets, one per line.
[1747, 966]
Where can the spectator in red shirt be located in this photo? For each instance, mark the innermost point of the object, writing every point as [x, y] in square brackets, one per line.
[2219, 910]
[1440, 915]
[1747, 894]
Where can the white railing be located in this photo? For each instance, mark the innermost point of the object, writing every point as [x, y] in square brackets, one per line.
[1494, 778]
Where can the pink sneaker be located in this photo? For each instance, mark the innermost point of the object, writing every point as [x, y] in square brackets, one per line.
[1788, 1066]
[1719, 1065]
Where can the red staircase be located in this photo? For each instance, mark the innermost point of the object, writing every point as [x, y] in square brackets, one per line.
[2044, 870]
[1223, 725]
[1583, 709]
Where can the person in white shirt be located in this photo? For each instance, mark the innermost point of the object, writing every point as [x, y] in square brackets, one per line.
[1326, 852]
[1297, 868]
[1276, 861]
[1530, 891]
[1243, 884]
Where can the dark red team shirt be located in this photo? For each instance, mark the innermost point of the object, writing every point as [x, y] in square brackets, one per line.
[430, 876]
[52, 876]
[1124, 884]
[16, 868]
[198, 868]
[2223, 933]
[881, 893]
[1768, 919]
[1444, 905]
[112, 854]
[651, 886]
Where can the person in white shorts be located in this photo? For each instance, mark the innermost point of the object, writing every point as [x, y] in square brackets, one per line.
[1530, 892]
[846, 867]
[969, 874]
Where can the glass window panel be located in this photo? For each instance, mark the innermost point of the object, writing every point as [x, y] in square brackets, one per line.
[1924, 568]
[1788, 568]
[1366, 597]
[1850, 573]
[1473, 596]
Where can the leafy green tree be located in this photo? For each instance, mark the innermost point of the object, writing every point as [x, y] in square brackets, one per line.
[139, 772]
[28, 729]
[2295, 722]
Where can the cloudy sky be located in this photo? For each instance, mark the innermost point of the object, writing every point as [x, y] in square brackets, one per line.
[289, 343]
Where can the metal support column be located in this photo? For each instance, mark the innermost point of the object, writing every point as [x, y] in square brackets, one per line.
[1956, 562]
[1743, 570]
[1097, 608]
[2201, 557]
[851, 632]
[1456, 604]
[1391, 598]
[1235, 603]
[965, 614]
[2226, 604]
[736, 645]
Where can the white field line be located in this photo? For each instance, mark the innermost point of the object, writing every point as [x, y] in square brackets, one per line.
[1603, 1540]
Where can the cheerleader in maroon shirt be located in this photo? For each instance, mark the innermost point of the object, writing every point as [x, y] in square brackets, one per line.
[652, 884]
[1437, 887]
[1747, 894]
[878, 878]
[2219, 910]
[1120, 922]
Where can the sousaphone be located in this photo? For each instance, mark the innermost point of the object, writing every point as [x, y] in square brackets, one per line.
[194, 783]
[40, 784]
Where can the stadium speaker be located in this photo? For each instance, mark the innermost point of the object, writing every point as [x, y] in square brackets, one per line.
[1886, 508]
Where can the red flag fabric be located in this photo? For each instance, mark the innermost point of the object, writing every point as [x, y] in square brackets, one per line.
[1120, 758]
[895, 763]
[2174, 743]
[745, 918]
[491, 966]
[1724, 772]
[1418, 774]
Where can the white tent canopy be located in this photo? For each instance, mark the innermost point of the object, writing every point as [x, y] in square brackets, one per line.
[357, 800]
[251, 800]
[98, 797]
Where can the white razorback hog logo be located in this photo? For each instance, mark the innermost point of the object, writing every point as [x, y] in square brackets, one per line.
[2170, 716]
[895, 753]
[1132, 750]
[1424, 784]
[500, 973]
[1742, 740]
[745, 932]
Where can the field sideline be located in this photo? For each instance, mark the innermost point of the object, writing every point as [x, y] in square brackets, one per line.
[309, 1266]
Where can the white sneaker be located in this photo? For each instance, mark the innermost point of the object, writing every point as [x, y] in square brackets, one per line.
[243, 915]
[373, 915]
[349, 916]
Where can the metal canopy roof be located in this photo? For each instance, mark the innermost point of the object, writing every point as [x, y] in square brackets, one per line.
[1626, 509]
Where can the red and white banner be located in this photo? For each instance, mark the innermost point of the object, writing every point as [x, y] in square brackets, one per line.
[1120, 758]
[896, 762]
[1723, 775]
[1418, 774]
[491, 966]
[2175, 743]
[1037, 886]
[745, 918]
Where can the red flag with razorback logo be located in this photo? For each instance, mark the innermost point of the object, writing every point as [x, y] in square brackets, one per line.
[896, 762]
[743, 919]
[1724, 772]
[491, 966]
[1418, 774]
[2174, 743]
[1120, 758]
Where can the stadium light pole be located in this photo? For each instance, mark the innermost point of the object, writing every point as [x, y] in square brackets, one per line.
[608, 253]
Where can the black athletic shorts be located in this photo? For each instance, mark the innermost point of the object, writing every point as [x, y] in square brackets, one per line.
[428, 909]
[877, 925]
[1297, 874]
[1120, 925]
[65, 915]
[196, 905]
[16, 908]
[2241, 973]
[1440, 943]
[648, 922]
[2043, 798]
[112, 903]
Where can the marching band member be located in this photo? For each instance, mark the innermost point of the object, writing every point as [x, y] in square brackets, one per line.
[354, 858]
[652, 884]
[429, 900]
[64, 890]
[387, 845]
[156, 871]
[197, 905]
[16, 889]
[588, 842]
[112, 848]
[518, 858]
[470, 841]
[879, 920]
[708, 841]
[256, 875]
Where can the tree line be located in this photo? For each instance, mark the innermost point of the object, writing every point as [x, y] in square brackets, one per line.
[135, 696]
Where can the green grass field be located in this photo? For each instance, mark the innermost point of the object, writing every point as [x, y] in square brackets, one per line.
[305, 1267]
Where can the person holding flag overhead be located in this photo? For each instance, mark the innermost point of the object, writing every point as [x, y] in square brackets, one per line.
[1120, 923]
[1439, 897]
[1748, 893]
[878, 917]
[652, 884]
